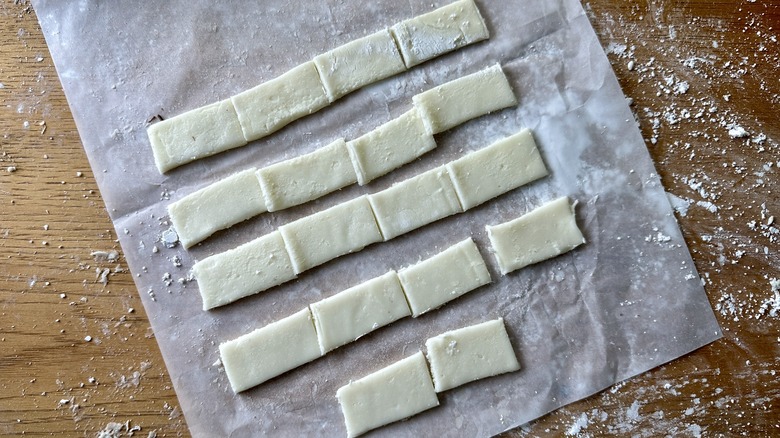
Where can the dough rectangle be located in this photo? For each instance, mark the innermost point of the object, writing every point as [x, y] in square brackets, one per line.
[390, 146]
[195, 134]
[358, 63]
[415, 202]
[250, 268]
[267, 352]
[393, 393]
[272, 105]
[462, 99]
[471, 353]
[323, 236]
[308, 177]
[503, 166]
[440, 31]
[544, 233]
[359, 310]
[216, 207]
[444, 277]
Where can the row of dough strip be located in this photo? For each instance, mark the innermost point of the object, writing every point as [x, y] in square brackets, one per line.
[341, 163]
[350, 226]
[269, 351]
[313, 85]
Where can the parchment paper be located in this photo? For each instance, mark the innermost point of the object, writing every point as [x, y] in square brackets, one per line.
[627, 301]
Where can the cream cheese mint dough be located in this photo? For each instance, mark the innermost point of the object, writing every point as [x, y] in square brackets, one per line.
[122, 65]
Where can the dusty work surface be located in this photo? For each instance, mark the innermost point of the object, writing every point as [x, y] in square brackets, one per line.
[696, 104]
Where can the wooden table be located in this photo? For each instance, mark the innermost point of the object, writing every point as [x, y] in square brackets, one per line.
[77, 355]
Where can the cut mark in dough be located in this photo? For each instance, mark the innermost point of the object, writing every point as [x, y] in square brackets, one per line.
[216, 207]
[359, 310]
[323, 236]
[248, 269]
[390, 146]
[393, 393]
[272, 105]
[195, 134]
[492, 171]
[465, 98]
[544, 233]
[270, 351]
[440, 31]
[470, 353]
[442, 278]
[307, 177]
[415, 202]
[358, 63]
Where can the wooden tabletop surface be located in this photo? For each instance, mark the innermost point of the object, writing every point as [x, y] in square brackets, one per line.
[77, 355]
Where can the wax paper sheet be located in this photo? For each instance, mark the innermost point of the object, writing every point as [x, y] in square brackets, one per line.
[625, 302]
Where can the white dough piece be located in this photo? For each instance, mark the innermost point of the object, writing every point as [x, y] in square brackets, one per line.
[544, 233]
[359, 310]
[216, 207]
[323, 236]
[390, 146]
[359, 63]
[267, 352]
[503, 166]
[440, 31]
[444, 277]
[415, 202]
[463, 99]
[308, 177]
[195, 134]
[469, 354]
[252, 267]
[393, 393]
[272, 105]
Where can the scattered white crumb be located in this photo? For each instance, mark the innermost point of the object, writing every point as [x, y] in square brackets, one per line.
[707, 205]
[105, 256]
[680, 205]
[579, 424]
[169, 238]
[632, 414]
[737, 131]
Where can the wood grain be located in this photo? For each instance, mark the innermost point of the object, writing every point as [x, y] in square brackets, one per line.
[77, 355]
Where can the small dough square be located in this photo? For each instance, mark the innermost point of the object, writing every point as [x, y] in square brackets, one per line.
[267, 352]
[359, 310]
[308, 177]
[323, 236]
[443, 30]
[463, 99]
[544, 233]
[216, 207]
[195, 134]
[471, 353]
[390, 146]
[492, 171]
[248, 269]
[444, 277]
[415, 202]
[393, 393]
[272, 105]
[358, 63]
